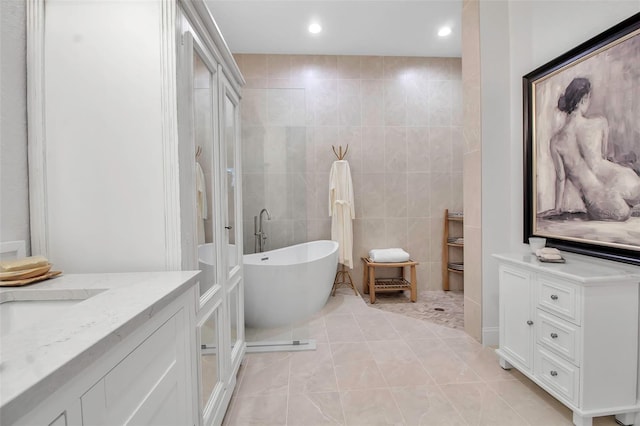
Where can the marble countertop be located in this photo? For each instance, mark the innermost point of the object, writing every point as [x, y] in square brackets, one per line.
[37, 359]
[577, 268]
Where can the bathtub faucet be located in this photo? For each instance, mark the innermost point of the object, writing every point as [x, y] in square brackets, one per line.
[260, 237]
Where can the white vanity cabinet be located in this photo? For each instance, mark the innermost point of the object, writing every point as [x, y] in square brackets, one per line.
[516, 317]
[145, 378]
[150, 386]
[125, 97]
[573, 329]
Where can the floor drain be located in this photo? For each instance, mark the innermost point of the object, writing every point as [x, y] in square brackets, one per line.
[439, 309]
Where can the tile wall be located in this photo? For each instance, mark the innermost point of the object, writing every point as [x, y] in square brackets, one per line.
[472, 168]
[402, 120]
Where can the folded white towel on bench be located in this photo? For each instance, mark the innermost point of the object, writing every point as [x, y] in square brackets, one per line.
[391, 255]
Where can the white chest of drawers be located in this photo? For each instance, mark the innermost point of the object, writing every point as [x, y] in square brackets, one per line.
[573, 329]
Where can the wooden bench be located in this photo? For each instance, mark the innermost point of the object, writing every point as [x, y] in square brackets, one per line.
[371, 284]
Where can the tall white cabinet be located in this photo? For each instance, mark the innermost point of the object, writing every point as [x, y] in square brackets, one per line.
[573, 329]
[122, 96]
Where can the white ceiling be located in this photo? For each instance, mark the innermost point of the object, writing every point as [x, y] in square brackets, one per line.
[350, 27]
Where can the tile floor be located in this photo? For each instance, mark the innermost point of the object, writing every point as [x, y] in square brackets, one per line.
[373, 367]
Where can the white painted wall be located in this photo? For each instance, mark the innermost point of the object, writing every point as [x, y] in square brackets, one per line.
[539, 31]
[14, 195]
[496, 164]
[104, 159]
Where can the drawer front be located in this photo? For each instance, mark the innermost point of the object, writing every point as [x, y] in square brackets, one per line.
[559, 336]
[560, 298]
[560, 376]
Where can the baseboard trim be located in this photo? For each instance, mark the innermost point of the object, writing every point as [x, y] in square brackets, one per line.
[490, 336]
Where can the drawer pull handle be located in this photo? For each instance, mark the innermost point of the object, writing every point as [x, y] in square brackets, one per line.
[554, 297]
[554, 335]
[529, 322]
[554, 373]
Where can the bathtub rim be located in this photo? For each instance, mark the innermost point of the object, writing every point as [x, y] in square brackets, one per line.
[254, 259]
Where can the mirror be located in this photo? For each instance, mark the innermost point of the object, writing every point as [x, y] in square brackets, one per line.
[234, 310]
[204, 131]
[231, 176]
[209, 358]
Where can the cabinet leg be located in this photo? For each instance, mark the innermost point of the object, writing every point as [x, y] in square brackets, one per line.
[414, 284]
[628, 419]
[582, 421]
[505, 364]
[372, 286]
[365, 279]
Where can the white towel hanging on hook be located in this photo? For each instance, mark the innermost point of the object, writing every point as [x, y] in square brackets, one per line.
[342, 210]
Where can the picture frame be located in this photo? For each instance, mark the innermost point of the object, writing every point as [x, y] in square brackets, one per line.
[581, 122]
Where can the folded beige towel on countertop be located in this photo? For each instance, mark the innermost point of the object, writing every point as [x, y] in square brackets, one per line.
[548, 250]
[22, 264]
[549, 253]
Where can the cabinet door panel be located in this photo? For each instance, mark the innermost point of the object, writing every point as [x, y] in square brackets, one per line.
[60, 421]
[139, 372]
[236, 324]
[211, 366]
[70, 414]
[143, 382]
[157, 408]
[516, 321]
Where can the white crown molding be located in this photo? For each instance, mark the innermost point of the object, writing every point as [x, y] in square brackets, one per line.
[200, 16]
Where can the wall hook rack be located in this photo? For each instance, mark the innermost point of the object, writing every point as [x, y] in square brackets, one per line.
[339, 153]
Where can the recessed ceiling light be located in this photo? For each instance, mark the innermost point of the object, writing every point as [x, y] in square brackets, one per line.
[315, 28]
[444, 31]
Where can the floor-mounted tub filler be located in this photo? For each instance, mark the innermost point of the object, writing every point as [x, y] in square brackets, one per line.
[285, 287]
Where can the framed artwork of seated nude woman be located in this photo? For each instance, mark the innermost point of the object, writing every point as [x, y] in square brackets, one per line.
[582, 147]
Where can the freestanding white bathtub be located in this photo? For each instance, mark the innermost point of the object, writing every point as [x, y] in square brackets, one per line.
[289, 284]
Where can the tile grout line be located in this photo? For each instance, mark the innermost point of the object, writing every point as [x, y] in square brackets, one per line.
[507, 402]
[286, 413]
[235, 395]
[388, 388]
[482, 381]
[438, 386]
[335, 376]
[419, 360]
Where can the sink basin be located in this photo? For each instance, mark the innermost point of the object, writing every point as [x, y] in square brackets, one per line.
[22, 308]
